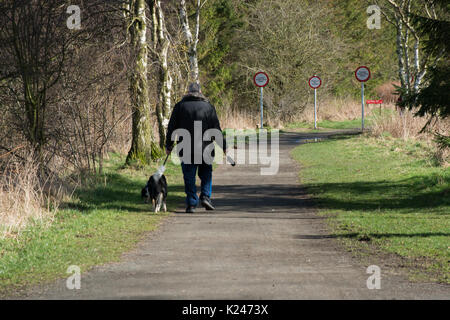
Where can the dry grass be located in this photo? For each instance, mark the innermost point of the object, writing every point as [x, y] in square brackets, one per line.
[404, 126]
[443, 157]
[408, 127]
[233, 119]
[333, 109]
[24, 200]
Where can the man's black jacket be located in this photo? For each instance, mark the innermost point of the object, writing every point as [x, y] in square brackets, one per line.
[190, 109]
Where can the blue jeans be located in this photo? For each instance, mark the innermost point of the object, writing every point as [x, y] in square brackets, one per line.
[205, 175]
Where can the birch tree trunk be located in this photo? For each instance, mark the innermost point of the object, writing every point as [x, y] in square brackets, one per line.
[191, 41]
[399, 50]
[413, 63]
[161, 46]
[142, 139]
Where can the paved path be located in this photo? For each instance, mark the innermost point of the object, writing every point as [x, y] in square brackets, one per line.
[264, 241]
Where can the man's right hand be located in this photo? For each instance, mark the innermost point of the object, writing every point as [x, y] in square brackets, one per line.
[168, 151]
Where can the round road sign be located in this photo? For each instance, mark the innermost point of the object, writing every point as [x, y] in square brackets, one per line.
[315, 82]
[261, 79]
[362, 74]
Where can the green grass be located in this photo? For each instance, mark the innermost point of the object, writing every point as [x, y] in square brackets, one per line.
[346, 124]
[101, 222]
[327, 124]
[386, 195]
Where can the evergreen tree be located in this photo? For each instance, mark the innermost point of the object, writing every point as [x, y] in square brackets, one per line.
[434, 97]
[221, 19]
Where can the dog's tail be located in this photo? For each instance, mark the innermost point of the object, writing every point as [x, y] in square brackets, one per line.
[158, 174]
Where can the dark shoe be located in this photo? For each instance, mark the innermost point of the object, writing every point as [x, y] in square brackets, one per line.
[190, 209]
[206, 202]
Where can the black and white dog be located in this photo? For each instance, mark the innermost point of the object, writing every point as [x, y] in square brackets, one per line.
[156, 190]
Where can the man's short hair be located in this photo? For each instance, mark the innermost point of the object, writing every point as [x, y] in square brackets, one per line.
[194, 87]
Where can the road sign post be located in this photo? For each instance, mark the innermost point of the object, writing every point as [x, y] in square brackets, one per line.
[315, 108]
[315, 82]
[261, 79]
[261, 105]
[362, 106]
[362, 74]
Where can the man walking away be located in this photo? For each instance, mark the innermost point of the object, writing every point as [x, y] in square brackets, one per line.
[192, 108]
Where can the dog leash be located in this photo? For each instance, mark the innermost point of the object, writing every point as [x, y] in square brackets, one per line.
[167, 157]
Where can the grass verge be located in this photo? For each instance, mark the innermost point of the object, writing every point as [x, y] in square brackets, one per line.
[328, 124]
[101, 223]
[383, 194]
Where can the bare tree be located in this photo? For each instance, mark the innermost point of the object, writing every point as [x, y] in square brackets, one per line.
[191, 40]
[61, 89]
[35, 47]
[283, 39]
[91, 108]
